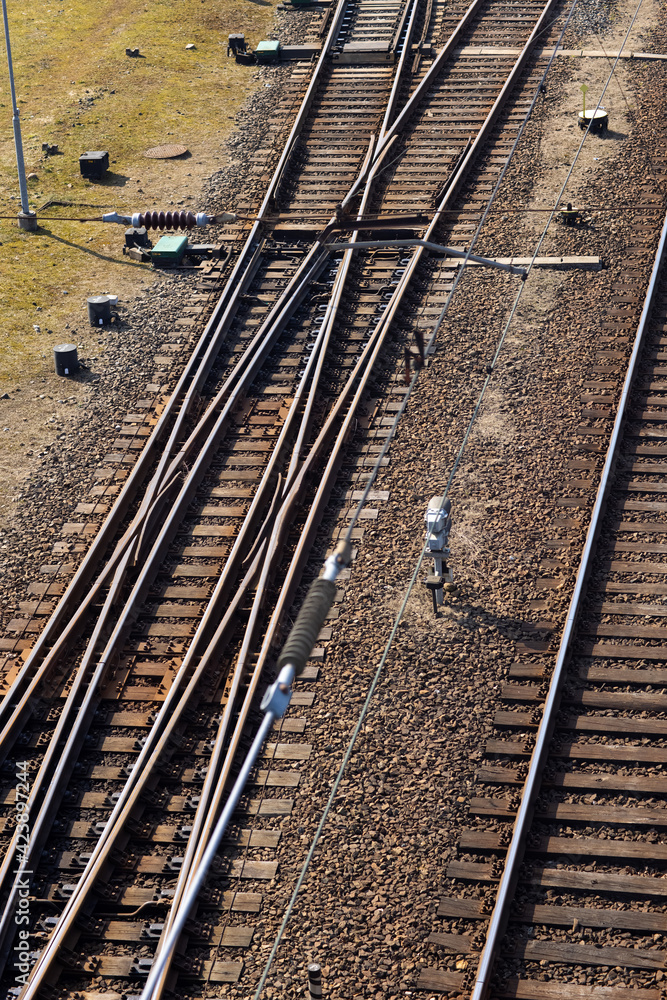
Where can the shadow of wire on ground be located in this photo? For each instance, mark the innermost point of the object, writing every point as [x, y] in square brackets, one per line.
[93, 253]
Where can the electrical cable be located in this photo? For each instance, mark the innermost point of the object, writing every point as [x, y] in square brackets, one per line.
[429, 347]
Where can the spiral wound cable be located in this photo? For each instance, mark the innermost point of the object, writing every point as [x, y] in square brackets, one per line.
[274, 704]
[311, 617]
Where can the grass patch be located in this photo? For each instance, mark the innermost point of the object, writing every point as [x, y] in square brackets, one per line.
[78, 90]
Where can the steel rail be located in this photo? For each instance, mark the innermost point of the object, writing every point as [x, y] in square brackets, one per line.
[405, 53]
[253, 358]
[445, 52]
[332, 311]
[362, 371]
[461, 173]
[373, 348]
[25, 687]
[299, 121]
[69, 597]
[411, 8]
[229, 298]
[346, 200]
[287, 590]
[217, 774]
[178, 699]
[77, 727]
[516, 849]
[127, 616]
[71, 727]
[141, 584]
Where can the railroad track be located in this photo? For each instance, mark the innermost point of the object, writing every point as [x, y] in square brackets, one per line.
[560, 881]
[136, 697]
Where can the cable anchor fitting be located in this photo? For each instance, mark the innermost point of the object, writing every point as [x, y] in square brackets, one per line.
[278, 695]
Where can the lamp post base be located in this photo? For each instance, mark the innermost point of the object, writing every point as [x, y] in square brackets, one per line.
[28, 221]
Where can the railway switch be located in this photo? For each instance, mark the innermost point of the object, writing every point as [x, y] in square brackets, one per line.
[438, 519]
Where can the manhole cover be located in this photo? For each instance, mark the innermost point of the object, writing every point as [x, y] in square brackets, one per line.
[166, 152]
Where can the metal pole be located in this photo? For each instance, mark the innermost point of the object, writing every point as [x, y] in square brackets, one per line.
[274, 704]
[435, 247]
[27, 219]
[314, 981]
[164, 956]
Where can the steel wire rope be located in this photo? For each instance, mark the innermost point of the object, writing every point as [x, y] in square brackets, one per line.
[374, 473]
[429, 346]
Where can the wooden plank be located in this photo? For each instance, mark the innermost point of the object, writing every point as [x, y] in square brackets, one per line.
[643, 588]
[648, 921]
[643, 784]
[277, 779]
[535, 989]
[559, 878]
[438, 981]
[613, 651]
[457, 944]
[586, 751]
[593, 672]
[628, 701]
[467, 907]
[480, 840]
[589, 723]
[254, 869]
[237, 937]
[222, 972]
[270, 807]
[574, 953]
[643, 527]
[288, 751]
[625, 701]
[635, 631]
[187, 593]
[629, 608]
[577, 812]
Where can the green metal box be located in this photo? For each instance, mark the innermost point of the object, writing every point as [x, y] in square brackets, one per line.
[267, 51]
[169, 250]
